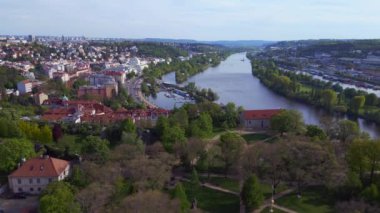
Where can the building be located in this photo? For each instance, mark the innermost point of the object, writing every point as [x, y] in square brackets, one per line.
[35, 174]
[98, 92]
[119, 76]
[25, 86]
[39, 98]
[258, 119]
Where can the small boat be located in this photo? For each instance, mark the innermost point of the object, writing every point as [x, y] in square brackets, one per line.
[243, 59]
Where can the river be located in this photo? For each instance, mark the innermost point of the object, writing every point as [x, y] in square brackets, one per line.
[233, 81]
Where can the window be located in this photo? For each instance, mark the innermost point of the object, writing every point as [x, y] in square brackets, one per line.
[31, 189]
[39, 189]
[30, 180]
[38, 180]
[20, 189]
[50, 180]
[19, 181]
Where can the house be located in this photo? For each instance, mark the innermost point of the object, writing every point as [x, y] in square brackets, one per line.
[25, 86]
[35, 174]
[39, 98]
[258, 119]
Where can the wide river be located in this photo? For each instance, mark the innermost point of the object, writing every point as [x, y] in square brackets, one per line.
[233, 81]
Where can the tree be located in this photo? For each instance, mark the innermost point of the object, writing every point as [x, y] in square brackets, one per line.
[231, 146]
[128, 126]
[287, 121]
[328, 98]
[180, 194]
[95, 149]
[180, 118]
[195, 184]
[149, 173]
[371, 100]
[57, 132]
[347, 130]
[190, 152]
[58, 197]
[94, 197]
[45, 136]
[201, 127]
[370, 193]
[172, 136]
[308, 163]
[251, 194]
[209, 158]
[12, 151]
[314, 131]
[149, 201]
[357, 103]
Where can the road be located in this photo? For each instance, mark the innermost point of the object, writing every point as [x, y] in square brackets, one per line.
[134, 89]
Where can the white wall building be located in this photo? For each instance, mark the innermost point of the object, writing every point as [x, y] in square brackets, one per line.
[35, 174]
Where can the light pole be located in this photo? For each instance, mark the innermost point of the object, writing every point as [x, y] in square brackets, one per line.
[272, 200]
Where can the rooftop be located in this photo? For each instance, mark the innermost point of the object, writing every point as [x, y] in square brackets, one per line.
[41, 167]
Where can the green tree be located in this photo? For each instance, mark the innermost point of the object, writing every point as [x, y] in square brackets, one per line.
[315, 132]
[287, 121]
[371, 100]
[58, 197]
[251, 194]
[46, 135]
[180, 194]
[357, 103]
[172, 136]
[201, 127]
[95, 149]
[370, 193]
[11, 152]
[347, 130]
[329, 98]
[128, 126]
[231, 146]
[195, 184]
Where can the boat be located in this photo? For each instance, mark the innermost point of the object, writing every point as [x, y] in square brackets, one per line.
[243, 59]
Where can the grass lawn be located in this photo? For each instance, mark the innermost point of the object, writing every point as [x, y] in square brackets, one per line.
[251, 138]
[314, 199]
[214, 201]
[267, 210]
[227, 183]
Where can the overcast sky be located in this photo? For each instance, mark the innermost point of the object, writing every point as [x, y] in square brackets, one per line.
[194, 19]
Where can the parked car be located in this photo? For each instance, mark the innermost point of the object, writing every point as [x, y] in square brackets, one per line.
[20, 195]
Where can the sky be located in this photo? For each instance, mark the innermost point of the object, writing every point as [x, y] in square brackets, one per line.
[194, 19]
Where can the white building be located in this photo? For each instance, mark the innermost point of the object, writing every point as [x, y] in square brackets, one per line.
[35, 174]
[24, 86]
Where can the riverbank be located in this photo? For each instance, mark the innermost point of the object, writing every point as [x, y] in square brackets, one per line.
[305, 89]
[233, 81]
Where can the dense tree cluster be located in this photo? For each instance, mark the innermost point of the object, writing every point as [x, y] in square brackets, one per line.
[316, 92]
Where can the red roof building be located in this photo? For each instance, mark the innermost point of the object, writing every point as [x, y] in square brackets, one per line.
[258, 119]
[35, 174]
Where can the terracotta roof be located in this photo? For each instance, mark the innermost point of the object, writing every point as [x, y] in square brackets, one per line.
[41, 167]
[260, 114]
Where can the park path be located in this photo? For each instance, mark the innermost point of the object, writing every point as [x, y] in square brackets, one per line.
[267, 202]
[211, 186]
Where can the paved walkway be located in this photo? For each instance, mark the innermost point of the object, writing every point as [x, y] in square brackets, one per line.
[267, 202]
[211, 186]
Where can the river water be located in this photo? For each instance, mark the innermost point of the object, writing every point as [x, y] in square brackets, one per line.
[233, 81]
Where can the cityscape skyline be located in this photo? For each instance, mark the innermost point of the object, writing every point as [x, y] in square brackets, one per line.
[197, 19]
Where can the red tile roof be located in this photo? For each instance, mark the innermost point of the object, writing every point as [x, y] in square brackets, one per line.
[260, 114]
[41, 167]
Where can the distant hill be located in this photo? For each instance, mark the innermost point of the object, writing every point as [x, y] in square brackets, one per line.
[242, 43]
[226, 43]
